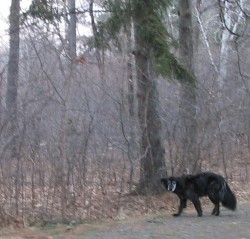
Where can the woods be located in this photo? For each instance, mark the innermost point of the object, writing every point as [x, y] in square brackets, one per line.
[100, 99]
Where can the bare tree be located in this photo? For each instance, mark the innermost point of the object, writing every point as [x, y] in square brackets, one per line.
[66, 121]
[12, 87]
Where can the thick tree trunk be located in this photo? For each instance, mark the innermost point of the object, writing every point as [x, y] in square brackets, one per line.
[189, 150]
[98, 43]
[13, 64]
[11, 96]
[151, 149]
[66, 117]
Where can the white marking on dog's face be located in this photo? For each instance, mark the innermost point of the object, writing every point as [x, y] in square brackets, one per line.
[171, 185]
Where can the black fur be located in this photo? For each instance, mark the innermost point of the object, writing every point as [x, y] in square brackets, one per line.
[192, 187]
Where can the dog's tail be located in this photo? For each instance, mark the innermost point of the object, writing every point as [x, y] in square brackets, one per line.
[227, 197]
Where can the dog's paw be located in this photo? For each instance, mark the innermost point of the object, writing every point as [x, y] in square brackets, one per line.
[176, 214]
[215, 212]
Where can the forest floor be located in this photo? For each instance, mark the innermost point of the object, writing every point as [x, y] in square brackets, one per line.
[229, 225]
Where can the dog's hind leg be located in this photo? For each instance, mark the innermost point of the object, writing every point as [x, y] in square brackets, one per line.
[216, 202]
[216, 210]
[183, 204]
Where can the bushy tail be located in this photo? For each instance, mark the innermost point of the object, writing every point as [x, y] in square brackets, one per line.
[228, 198]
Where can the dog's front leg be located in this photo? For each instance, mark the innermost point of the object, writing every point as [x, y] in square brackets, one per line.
[197, 205]
[183, 204]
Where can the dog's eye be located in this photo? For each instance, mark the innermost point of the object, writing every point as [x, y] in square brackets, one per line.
[173, 183]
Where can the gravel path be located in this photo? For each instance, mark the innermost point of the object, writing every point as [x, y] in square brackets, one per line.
[230, 225]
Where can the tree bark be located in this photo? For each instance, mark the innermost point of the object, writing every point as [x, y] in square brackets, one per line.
[99, 54]
[12, 84]
[189, 155]
[152, 159]
[66, 116]
[72, 29]
[13, 63]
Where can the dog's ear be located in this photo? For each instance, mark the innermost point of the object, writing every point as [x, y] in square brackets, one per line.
[164, 181]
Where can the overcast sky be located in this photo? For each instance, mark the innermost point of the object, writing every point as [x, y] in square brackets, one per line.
[4, 14]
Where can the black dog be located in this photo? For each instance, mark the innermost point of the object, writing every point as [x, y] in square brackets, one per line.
[192, 187]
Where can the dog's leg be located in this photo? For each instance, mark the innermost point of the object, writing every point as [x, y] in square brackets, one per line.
[183, 204]
[216, 202]
[197, 205]
[216, 210]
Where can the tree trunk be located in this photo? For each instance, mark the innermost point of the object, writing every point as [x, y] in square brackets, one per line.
[72, 29]
[98, 43]
[152, 159]
[66, 117]
[189, 155]
[13, 64]
[11, 96]
[132, 103]
[225, 48]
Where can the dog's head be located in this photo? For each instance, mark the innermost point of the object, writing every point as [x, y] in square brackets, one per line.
[169, 183]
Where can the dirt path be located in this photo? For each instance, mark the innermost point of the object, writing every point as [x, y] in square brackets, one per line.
[230, 225]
